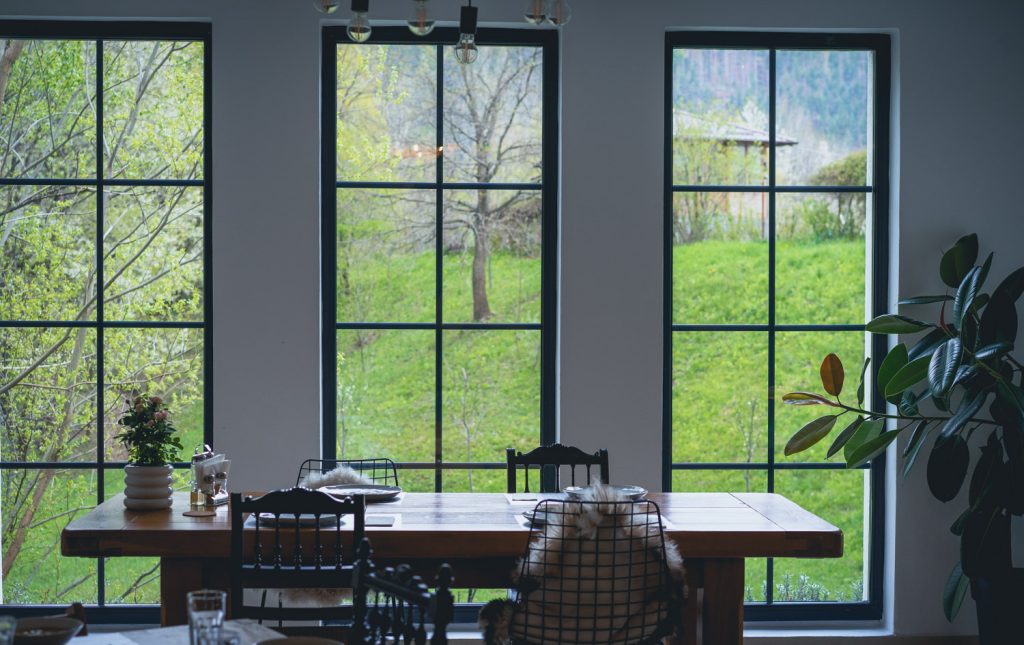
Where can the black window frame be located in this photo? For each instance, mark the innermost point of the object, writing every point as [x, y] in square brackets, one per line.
[99, 32]
[879, 188]
[547, 40]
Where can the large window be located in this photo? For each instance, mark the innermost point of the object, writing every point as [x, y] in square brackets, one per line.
[104, 280]
[776, 238]
[439, 252]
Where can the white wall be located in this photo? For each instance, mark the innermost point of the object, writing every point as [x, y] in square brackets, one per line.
[959, 141]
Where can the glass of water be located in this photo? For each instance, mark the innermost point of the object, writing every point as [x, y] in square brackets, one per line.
[8, 624]
[205, 616]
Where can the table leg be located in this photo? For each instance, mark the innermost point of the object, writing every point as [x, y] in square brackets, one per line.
[178, 576]
[722, 614]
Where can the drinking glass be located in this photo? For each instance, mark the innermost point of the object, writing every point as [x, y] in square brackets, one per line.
[205, 616]
[8, 625]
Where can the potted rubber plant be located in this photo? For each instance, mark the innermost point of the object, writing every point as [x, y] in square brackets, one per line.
[149, 437]
[958, 391]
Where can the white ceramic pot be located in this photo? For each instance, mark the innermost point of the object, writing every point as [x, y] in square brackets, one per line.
[147, 488]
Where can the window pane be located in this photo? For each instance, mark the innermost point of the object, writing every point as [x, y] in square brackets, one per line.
[719, 397]
[155, 362]
[48, 109]
[720, 258]
[493, 116]
[798, 357]
[47, 253]
[823, 104]
[475, 481]
[491, 393]
[720, 481]
[48, 411]
[385, 397]
[821, 258]
[416, 480]
[153, 109]
[386, 112]
[386, 248]
[153, 262]
[720, 117]
[37, 505]
[840, 498]
[492, 261]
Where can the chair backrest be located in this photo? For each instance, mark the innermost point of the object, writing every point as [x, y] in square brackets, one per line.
[378, 470]
[394, 606]
[271, 548]
[553, 457]
[595, 572]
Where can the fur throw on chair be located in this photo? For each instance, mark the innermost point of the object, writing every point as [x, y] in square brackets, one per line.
[338, 477]
[313, 597]
[598, 574]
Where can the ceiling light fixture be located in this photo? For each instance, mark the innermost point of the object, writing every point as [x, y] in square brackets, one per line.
[465, 49]
[359, 28]
[326, 6]
[420, 23]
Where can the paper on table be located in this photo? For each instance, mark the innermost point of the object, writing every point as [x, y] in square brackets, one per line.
[381, 520]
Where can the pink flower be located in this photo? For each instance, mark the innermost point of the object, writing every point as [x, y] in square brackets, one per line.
[150, 423]
[160, 415]
[155, 400]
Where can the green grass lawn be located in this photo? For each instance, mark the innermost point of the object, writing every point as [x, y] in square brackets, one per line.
[491, 397]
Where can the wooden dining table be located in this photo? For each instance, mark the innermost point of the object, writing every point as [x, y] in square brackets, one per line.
[480, 535]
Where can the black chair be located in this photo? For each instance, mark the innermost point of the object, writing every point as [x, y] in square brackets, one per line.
[281, 553]
[550, 458]
[401, 605]
[609, 583]
[379, 470]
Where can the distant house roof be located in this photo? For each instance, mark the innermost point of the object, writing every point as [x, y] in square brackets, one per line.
[702, 128]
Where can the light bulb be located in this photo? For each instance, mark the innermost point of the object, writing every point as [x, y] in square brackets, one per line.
[420, 23]
[326, 6]
[359, 28]
[535, 13]
[465, 49]
[559, 14]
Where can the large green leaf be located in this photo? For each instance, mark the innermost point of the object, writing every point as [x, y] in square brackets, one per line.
[913, 449]
[907, 404]
[871, 448]
[954, 592]
[965, 295]
[810, 434]
[927, 344]
[943, 366]
[969, 406]
[892, 363]
[957, 261]
[895, 324]
[994, 349]
[860, 384]
[832, 375]
[947, 466]
[866, 432]
[1011, 287]
[843, 437]
[908, 376]
[925, 300]
[998, 321]
[806, 398]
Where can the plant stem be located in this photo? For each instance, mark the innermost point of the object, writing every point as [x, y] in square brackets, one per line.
[900, 417]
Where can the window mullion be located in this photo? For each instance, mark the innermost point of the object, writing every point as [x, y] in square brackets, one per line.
[772, 79]
[100, 405]
[438, 267]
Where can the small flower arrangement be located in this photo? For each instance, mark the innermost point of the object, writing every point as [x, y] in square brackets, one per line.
[148, 433]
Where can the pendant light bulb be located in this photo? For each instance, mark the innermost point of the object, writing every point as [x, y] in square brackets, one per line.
[535, 13]
[326, 6]
[465, 49]
[420, 23]
[560, 13]
[359, 28]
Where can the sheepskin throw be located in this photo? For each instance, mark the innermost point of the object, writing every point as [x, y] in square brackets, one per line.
[338, 477]
[595, 573]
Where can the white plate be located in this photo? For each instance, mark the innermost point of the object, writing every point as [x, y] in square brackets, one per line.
[373, 493]
[632, 492]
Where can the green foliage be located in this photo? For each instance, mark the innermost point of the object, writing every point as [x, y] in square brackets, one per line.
[148, 433]
[962, 363]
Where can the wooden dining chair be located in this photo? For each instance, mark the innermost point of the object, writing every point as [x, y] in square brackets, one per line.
[394, 606]
[271, 549]
[593, 572]
[551, 458]
[378, 470]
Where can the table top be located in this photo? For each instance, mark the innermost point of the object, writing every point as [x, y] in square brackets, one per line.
[249, 632]
[472, 525]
